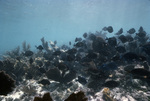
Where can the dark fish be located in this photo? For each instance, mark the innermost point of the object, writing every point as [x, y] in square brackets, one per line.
[42, 70]
[123, 38]
[28, 53]
[85, 35]
[44, 82]
[119, 32]
[85, 60]
[112, 41]
[130, 56]
[92, 37]
[91, 55]
[129, 38]
[82, 80]
[121, 49]
[70, 57]
[131, 31]
[40, 47]
[72, 51]
[108, 66]
[110, 29]
[141, 29]
[63, 67]
[111, 84]
[141, 33]
[133, 45]
[78, 39]
[129, 68]
[79, 44]
[98, 44]
[30, 60]
[140, 72]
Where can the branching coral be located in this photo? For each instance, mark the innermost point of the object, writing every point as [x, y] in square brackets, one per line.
[57, 75]
[45, 45]
[25, 46]
[14, 53]
[7, 83]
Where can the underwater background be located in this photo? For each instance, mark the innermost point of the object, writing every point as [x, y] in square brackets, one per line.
[74, 50]
[63, 20]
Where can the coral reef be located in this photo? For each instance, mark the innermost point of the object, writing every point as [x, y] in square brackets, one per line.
[7, 83]
[80, 96]
[46, 97]
[120, 62]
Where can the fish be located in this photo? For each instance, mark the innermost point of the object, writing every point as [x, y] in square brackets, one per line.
[123, 38]
[112, 41]
[140, 72]
[120, 49]
[79, 44]
[108, 66]
[85, 35]
[70, 57]
[92, 37]
[82, 80]
[40, 47]
[129, 38]
[99, 44]
[111, 84]
[44, 82]
[91, 55]
[110, 29]
[119, 32]
[131, 31]
[141, 29]
[130, 56]
[72, 51]
[78, 39]
[28, 53]
[63, 67]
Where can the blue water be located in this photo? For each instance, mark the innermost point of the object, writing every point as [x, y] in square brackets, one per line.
[63, 20]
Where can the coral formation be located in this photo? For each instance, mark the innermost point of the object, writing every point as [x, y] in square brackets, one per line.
[7, 83]
[46, 97]
[80, 96]
[120, 62]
